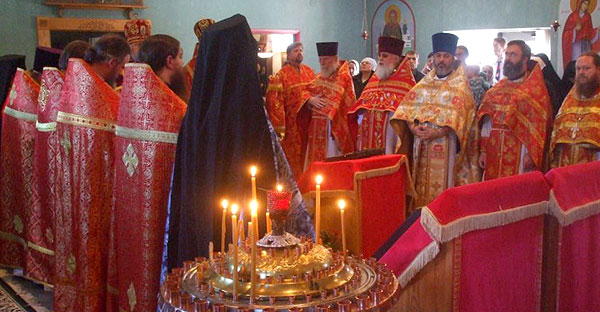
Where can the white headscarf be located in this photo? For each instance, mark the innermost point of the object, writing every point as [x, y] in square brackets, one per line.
[372, 61]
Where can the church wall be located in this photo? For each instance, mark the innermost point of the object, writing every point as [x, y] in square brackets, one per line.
[318, 20]
[434, 16]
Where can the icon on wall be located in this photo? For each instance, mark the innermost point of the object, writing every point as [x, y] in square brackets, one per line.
[393, 18]
[580, 31]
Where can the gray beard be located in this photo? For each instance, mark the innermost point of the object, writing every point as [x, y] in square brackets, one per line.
[383, 72]
[327, 72]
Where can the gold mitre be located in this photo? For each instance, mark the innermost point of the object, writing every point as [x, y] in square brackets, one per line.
[201, 25]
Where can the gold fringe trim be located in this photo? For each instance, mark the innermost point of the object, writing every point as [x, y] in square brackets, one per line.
[19, 114]
[419, 262]
[45, 126]
[575, 214]
[444, 233]
[87, 122]
[146, 135]
[41, 249]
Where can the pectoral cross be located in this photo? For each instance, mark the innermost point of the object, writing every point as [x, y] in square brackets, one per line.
[575, 129]
[12, 96]
[65, 143]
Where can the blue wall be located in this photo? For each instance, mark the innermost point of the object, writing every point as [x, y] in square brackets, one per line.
[434, 16]
[318, 20]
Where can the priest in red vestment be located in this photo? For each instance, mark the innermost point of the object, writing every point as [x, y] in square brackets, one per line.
[330, 96]
[576, 135]
[284, 100]
[199, 27]
[85, 130]
[40, 219]
[16, 167]
[515, 116]
[150, 114]
[380, 98]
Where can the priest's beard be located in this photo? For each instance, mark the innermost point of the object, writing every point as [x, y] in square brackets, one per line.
[513, 71]
[383, 72]
[327, 71]
[178, 85]
[587, 89]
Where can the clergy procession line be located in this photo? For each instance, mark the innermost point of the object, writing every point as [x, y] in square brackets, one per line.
[97, 140]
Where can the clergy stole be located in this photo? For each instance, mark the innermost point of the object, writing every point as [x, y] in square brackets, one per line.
[520, 114]
[148, 123]
[332, 122]
[40, 221]
[85, 130]
[576, 135]
[18, 187]
[377, 103]
[284, 98]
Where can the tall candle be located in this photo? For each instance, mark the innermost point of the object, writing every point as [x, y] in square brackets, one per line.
[319, 180]
[253, 177]
[224, 204]
[254, 218]
[234, 227]
[252, 261]
[241, 232]
[342, 206]
[210, 251]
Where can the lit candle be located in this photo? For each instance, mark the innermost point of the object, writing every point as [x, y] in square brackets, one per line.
[234, 226]
[319, 180]
[254, 219]
[253, 174]
[210, 251]
[268, 217]
[224, 204]
[252, 261]
[342, 206]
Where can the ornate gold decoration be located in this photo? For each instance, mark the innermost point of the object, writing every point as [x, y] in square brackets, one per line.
[13, 95]
[18, 223]
[84, 121]
[43, 97]
[130, 160]
[131, 296]
[19, 114]
[65, 143]
[71, 266]
[41, 249]
[146, 135]
[49, 236]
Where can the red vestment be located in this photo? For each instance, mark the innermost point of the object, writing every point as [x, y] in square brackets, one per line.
[576, 134]
[380, 97]
[283, 101]
[148, 123]
[338, 92]
[17, 185]
[40, 221]
[520, 114]
[85, 130]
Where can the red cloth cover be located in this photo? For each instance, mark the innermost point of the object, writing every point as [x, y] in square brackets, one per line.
[498, 225]
[85, 130]
[16, 175]
[410, 253]
[40, 221]
[148, 122]
[575, 201]
[379, 188]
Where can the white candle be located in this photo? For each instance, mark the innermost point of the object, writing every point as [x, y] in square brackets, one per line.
[319, 180]
[342, 206]
[234, 226]
[224, 204]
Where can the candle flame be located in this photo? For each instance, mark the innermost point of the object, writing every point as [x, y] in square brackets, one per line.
[224, 204]
[279, 187]
[341, 204]
[253, 207]
[319, 179]
[253, 170]
[234, 209]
